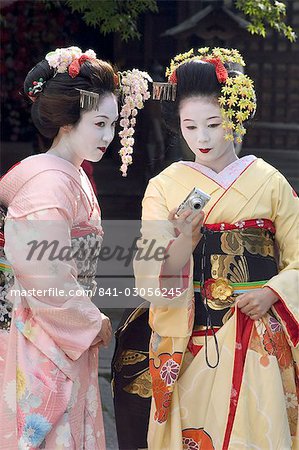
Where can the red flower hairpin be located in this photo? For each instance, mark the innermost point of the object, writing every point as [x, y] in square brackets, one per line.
[74, 67]
[221, 72]
[173, 78]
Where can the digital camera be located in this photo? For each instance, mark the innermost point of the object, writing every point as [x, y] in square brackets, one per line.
[195, 201]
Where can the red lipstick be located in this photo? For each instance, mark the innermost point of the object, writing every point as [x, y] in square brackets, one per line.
[103, 149]
[204, 150]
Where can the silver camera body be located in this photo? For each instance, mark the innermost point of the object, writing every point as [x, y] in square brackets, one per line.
[195, 201]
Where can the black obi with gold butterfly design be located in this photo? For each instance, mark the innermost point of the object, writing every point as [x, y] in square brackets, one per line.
[228, 261]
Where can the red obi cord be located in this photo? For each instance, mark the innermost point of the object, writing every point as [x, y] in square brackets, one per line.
[266, 224]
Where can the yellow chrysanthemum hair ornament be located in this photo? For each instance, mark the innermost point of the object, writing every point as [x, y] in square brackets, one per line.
[237, 99]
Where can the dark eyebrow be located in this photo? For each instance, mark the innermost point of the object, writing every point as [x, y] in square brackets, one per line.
[209, 118]
[214, 117]
[105, 117]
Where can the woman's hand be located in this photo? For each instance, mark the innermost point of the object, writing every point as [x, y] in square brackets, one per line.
[189, 224]
[105, 334]
[255, 304]
[188, 227]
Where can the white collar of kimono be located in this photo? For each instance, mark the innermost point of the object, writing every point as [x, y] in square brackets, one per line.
[228, 175]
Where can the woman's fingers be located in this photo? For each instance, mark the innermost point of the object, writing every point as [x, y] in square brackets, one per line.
[185, 216]
[188, 223]
[198, 219]
[248, 309]
[247, 304]
[171, 215]
[244, 303]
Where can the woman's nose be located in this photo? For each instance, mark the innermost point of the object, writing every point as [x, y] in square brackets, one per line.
[202, 136]
[108, 136]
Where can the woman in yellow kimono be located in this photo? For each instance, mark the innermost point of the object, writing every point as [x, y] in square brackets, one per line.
[224, 300]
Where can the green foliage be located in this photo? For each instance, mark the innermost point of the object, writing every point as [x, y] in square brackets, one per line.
[113, 16]
[121, 16]
[263, 13]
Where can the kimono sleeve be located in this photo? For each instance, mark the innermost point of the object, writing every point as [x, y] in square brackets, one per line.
[157, 233]
[286, 283]
[38, 246]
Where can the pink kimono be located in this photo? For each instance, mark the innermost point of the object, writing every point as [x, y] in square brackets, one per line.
[49, 351]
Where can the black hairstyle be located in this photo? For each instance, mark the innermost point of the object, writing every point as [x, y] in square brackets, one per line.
[194, 78]
[59, 102]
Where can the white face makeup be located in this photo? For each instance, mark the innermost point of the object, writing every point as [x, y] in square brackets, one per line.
[91, 136]
[201, 120]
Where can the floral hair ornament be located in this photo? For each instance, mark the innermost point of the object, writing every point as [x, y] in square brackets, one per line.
[68, 60]
[38, 86]
[221, 72]
[134, 91]
[237, 98]
[133, 86]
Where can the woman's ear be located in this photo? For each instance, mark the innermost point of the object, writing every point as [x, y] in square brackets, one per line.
[66, 128]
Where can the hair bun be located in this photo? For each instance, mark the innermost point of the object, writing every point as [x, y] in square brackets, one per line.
[41, 70]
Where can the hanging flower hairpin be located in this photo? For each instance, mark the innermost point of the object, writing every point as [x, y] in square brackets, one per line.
[134, 91]
[132, 84]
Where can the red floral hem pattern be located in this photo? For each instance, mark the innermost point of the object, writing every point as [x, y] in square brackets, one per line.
[196, 439]
[275, 343]
[285, 315]
[164, 370]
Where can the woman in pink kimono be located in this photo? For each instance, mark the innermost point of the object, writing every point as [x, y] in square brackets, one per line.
[50, 331]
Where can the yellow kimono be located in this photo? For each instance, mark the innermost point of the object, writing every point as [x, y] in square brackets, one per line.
[250, 400]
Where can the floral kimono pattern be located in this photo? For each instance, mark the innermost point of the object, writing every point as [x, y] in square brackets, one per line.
[49, 352]
[250, 399]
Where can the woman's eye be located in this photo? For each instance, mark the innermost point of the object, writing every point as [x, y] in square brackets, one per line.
[214, 125]
[100, 124]
[191, 127]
